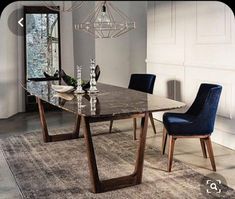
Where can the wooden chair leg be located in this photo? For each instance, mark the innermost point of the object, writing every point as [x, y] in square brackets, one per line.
[110, 126]
[164, 139]
[210, 152]
[203, 147]
[170, 153]
[134, 127]
[152, 122]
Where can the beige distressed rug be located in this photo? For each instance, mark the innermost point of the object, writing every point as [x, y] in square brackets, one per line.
[59, 170]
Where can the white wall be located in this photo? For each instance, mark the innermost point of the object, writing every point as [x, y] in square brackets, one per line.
[119, 57]
[12, 58]
[138, 37]
[8, 67]
[84, 44]
[189, 43]
[67, 48]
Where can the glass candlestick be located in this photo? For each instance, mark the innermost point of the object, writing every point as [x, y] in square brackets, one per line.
[79, 89]
[92, 88]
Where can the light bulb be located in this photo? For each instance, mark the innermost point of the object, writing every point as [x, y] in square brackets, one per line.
[103, 18]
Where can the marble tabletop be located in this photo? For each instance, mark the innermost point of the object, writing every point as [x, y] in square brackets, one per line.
[109, 101]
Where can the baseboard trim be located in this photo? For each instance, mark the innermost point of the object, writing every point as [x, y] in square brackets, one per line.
[223, 138]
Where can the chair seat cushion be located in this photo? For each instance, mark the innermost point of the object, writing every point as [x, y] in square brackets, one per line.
[182, 124]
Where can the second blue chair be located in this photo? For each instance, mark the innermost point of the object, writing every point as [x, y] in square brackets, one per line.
[144, 83]
[197, 122]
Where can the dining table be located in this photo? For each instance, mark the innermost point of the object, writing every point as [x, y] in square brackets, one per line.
[109, 103]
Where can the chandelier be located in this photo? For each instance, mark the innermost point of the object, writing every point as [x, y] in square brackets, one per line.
[106, 21]
[64, 6]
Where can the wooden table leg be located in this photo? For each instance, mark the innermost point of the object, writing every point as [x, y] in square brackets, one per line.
[46, 137]
[59, 137]
[94, 176]
[120, 182]
[140, 154]
[77, 126]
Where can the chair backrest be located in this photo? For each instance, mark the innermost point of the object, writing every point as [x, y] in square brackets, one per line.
[206, 103]
[142, 82]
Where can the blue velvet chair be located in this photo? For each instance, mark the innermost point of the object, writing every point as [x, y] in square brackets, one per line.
[144, 83]
[197, 122]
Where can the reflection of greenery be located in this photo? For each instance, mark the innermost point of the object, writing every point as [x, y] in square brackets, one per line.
[71, 81]
[42, 44]
[65, 96]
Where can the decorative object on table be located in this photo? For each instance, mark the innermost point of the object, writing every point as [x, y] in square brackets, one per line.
[97, 75]
[106, 21]
[86, 86]
[47, 75]
[56, 74]
[97, 72]
[70, 81]
[197, 122]
[92, 88]
[62, 88]
[63, 6]
[79, 89]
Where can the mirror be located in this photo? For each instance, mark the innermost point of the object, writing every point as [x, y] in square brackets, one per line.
[42, 43]
[41, 48]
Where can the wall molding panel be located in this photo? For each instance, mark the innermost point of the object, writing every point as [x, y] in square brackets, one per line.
[166, 30]
[216, 27]
[166, 22]
[209, 35]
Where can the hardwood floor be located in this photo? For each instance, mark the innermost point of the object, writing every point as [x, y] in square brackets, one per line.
[188, 151]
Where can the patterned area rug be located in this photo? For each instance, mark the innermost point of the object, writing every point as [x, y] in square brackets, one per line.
[60, 170]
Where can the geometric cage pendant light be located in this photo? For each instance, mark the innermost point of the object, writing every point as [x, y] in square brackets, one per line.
[106, 21]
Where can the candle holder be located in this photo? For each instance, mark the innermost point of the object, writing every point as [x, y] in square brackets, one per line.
[92, 88]
[79, 89]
